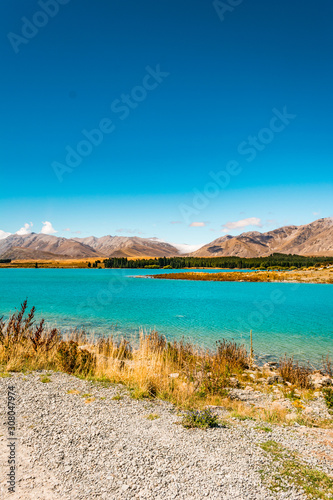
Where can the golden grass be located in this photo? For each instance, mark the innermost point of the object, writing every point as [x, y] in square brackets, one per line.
[178, 372]
[312, 275]
[46, 263]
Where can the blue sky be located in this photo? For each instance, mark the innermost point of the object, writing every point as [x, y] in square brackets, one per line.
[167, 97]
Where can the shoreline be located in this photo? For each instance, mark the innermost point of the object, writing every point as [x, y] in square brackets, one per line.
[318, 276]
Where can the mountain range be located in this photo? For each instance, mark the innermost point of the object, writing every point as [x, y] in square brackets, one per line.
[315, 238]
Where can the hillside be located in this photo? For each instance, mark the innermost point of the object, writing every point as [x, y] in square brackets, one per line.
[124, 246]
[41, 246]
[315, 238]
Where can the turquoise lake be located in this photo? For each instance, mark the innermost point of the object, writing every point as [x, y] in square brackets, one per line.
[285, 317]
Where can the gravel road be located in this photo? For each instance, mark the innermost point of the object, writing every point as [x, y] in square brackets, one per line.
[86, 445]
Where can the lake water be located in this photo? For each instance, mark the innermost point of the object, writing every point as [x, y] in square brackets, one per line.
[285, 318]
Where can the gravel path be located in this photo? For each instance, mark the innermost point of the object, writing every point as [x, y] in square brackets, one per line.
[77, 446]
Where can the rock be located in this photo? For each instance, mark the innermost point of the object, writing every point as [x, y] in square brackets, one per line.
[272, 379]
[318, 380]
[248, 388]
[256, 368]
[326, 381]
[233, 382]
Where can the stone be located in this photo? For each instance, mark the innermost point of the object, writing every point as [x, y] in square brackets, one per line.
[233, 382]
[272, 379]
[318, 380]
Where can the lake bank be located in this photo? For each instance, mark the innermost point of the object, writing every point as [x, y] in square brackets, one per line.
[318, 276]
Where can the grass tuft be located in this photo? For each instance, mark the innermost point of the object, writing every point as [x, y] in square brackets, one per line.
[117, 397]
[45, 380]
[200, 419]
[292, 372]
[328, 395]
[152, 416]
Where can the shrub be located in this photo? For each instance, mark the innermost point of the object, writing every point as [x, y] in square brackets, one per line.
[75, 360]
[328, 395]
[200, 419]
[233, 354]
[42, 340]
[294, 373]
[16, 330]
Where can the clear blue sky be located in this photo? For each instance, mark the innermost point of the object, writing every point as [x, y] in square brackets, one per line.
[197, 92]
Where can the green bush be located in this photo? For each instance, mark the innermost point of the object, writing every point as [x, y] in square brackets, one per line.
[328, 395]
[200, 419]
[75, 360]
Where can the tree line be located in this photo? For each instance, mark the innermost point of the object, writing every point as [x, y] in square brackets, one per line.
[274, 261]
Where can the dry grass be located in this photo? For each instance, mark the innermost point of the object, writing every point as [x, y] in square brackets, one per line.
[175, 371]
[299, 276]
[146, 370]
[49, 263]
[294, 373]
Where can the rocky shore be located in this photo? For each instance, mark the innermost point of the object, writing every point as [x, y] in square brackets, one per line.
[83, 440]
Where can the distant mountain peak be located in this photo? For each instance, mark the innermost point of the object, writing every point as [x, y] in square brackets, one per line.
[315, 238]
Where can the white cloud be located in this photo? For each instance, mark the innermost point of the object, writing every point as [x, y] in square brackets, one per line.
[26, 229]
[240, 224]
[316, 213]
[3, 234]
[48, 228]
[198, 224]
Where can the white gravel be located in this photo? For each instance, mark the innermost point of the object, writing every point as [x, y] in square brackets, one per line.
[108, 449]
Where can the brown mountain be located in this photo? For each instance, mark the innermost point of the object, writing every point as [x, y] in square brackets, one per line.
[311, 239]
[42, 246]
[20, 253]
[315, 238]
[124, 246]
